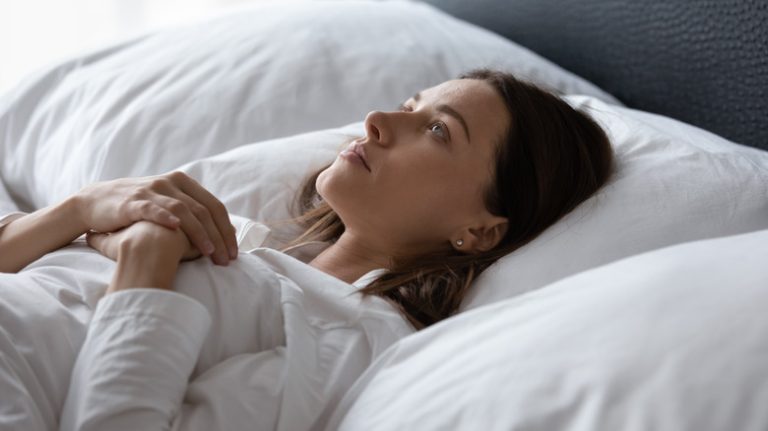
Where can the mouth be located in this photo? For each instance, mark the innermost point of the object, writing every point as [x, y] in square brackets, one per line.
[359, 149]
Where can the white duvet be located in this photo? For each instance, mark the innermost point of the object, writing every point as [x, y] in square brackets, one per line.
[268, 342]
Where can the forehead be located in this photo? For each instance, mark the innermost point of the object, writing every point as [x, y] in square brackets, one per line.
[477, 101]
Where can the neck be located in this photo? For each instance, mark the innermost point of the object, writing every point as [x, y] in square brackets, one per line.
[349, 258]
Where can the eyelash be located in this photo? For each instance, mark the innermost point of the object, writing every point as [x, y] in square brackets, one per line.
[443, 135]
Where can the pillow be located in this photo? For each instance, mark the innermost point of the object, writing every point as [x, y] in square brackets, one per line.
[276, 69]
[674, 339]
[673, 183]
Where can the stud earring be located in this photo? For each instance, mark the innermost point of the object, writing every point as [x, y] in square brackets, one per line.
[459, 242]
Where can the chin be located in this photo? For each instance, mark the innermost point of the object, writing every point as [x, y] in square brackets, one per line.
[333, 185]
[319, 185]
[328, 191]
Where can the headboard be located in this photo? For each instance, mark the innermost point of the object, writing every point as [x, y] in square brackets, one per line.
[704, 62]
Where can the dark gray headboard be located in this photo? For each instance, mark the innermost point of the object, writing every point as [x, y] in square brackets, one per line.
[704, 62]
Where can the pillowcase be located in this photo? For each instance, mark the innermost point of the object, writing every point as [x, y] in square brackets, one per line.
[276, 69]
[673, 183]
[674, 339]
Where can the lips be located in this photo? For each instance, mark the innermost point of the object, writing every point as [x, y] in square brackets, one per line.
[359, 149]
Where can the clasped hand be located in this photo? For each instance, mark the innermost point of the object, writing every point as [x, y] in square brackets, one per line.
[186, 219]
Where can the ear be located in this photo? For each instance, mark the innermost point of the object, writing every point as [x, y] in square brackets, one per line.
[483, 237]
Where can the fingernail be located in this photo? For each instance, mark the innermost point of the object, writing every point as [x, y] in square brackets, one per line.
[233, 254]
[208, 246]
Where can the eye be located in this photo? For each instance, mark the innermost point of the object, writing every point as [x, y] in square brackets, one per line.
[439, 129]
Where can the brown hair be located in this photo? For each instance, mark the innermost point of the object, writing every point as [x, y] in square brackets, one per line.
[552, 158]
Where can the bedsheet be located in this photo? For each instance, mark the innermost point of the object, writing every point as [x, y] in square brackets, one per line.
[267, 342]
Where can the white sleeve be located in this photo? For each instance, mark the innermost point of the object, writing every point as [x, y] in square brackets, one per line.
[134, 366]
[250, 234]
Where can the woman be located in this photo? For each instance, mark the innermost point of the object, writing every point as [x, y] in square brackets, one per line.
[464, 173]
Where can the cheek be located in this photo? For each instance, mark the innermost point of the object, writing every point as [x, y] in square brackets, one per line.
[409, 193]
[437, 193]
[423, 191]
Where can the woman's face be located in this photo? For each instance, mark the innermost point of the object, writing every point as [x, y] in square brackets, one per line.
[430, 164]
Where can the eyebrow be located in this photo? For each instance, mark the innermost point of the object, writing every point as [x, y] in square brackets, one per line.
[450, 111]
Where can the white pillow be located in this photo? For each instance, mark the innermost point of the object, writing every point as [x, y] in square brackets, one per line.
[674, 183]
[675, 339]
[273, 70]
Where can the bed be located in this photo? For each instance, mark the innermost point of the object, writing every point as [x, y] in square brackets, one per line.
[644, 308]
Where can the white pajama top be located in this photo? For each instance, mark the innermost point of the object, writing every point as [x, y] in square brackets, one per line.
[267, 343]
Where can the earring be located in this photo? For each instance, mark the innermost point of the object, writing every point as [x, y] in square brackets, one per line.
[459, 242]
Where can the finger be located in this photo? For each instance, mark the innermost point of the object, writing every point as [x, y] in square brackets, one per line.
[174, 185]
[221, 253]
[191, 254]
[192, 226]
[151, 211]
[216, 208]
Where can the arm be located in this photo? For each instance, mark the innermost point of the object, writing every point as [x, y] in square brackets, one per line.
[147, 255]
[143, 340]
[133, 368]
[133, 372]
[173, 200]
[27, 238]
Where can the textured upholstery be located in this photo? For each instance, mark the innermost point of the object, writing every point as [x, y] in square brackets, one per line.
[704, 62]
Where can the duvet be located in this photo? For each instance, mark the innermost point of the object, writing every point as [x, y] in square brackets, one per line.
[267, 343]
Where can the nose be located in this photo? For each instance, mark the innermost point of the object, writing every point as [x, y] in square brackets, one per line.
[376, 127]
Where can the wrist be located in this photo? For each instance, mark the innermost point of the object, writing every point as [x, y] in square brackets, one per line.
[72, 209]
[139, 266]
